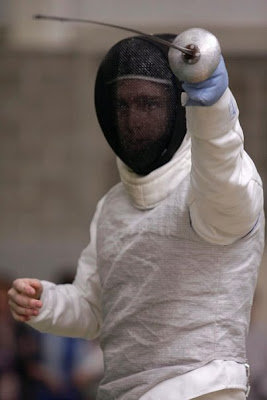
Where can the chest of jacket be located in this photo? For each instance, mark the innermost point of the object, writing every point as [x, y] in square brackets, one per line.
[166, 293]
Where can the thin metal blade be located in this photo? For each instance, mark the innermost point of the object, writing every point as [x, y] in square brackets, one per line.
[89, 21]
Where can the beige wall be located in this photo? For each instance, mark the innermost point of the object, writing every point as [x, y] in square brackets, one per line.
[241, 25]
[54, 162]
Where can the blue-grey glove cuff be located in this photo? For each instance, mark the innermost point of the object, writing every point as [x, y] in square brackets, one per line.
[208, 92]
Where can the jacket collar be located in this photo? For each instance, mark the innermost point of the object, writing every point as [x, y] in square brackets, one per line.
[149, 191]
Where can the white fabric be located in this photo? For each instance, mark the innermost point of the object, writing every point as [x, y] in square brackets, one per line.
[149, 191]
[228, 206]
[74, 309]
[215, 376]
[228, 394]
[226, 200]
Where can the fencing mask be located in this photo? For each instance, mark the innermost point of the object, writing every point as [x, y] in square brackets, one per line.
[138, 105]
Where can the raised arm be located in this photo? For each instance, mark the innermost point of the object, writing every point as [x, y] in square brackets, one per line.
[227, 193]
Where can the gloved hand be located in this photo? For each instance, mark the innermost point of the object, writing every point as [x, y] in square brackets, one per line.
[208, 92]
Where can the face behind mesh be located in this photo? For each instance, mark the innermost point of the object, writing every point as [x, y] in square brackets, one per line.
[138, 105]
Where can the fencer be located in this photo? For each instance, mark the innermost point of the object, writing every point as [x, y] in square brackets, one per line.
[168, 278]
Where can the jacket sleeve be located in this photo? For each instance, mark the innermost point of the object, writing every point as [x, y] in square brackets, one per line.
[74, 309]
[226, 189]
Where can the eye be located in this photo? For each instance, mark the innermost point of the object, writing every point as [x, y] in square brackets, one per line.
[121, 105]
[148, 104]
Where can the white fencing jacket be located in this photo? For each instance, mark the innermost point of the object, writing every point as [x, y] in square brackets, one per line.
[225, 203]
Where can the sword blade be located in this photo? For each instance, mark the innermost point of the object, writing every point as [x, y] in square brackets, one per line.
[89, 21]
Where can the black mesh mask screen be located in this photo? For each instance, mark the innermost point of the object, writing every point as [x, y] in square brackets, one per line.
[137, 99]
